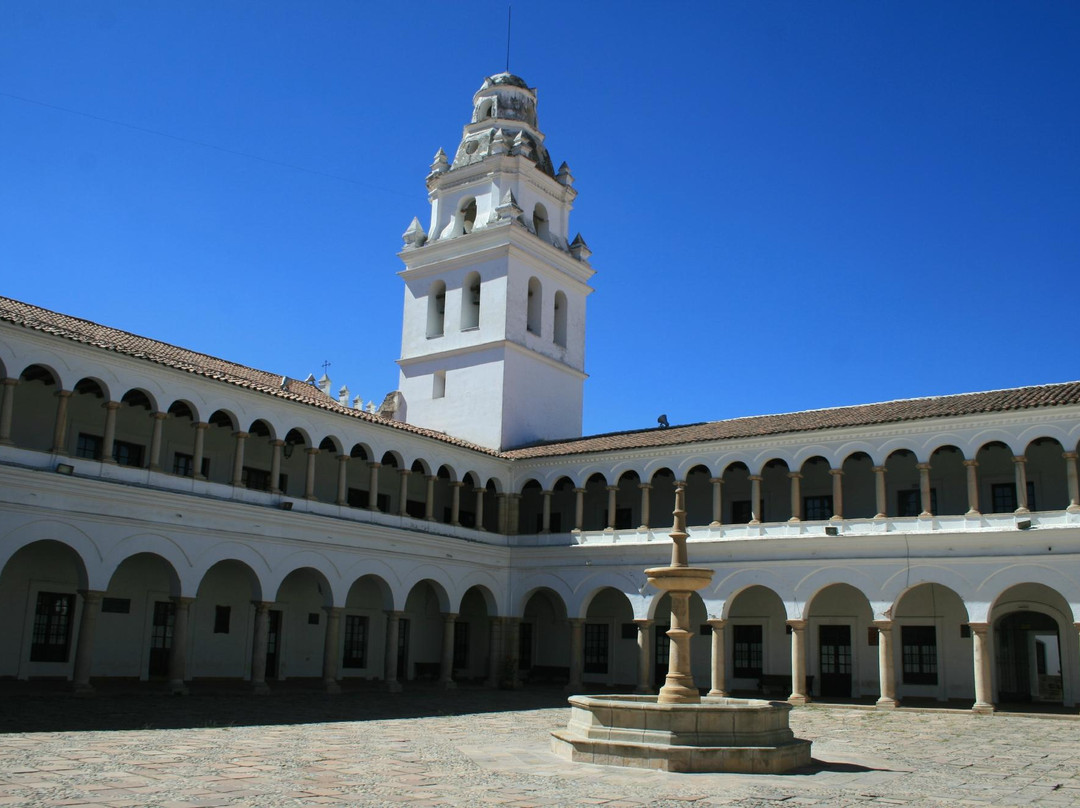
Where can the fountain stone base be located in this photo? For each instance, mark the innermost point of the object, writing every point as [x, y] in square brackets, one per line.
[749, 736]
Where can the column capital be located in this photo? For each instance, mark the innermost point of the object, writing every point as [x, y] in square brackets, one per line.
[716, 480]
[479, 490]
[717, 622]
[644, 624]
[755, 478]
[1019, 459]
[393, 613]
[979, 628]
[262, 605]
[91, 596]
[797, 625]
[11, 381]
[334, 611]
[879, 469]
[1069, 455]
[611, 488]
[182, 600]
[157, 416]
[449, 617]
[579, 490]
[576, 621]
[277, 442]
[241, 434]
[342, 458]
[200, 425]
[431, 477]
[883, 625]
[457, 484]
[922, 466]
[547, 492]
[794, 475]
[374, 465]
[311, 450]
[645, 486]
[111, 405]
[971, 463]
[404, 472]
[836, 472]
[67, 394]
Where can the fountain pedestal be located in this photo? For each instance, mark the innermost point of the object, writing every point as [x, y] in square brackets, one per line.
[678, 730]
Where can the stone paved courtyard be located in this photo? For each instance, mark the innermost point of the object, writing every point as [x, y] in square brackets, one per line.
[478, 747]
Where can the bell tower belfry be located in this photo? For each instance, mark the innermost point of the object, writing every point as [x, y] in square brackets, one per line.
[493, 335]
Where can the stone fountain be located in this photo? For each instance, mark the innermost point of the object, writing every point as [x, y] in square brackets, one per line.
[678, 730]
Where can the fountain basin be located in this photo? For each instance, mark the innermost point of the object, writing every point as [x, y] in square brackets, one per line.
[679, 579]
[750, 736]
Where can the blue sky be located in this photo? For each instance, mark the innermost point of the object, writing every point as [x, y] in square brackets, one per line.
[791, 205]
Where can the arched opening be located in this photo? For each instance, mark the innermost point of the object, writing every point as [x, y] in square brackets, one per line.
[699, 496]
[776, 492]
[737, 492]
[610, 652]
[756, 640]
[997, 479]
[219, 447]
[363, 628]
[531, 508]
[948, 480]
[133, 426]
[662, 499]
[472, 637]
[298, 625]
[466, 216]
[540, 222]
[389, 494]
[859, 495]
[34, 408]
[544, 639]
[178, 440]
[535, 306]
[560, 319]
[223, 621]
[141, 616]
[485, 110]
[86, 420]
[596, 501]
[470, 301]
[293, 463]
[904, 497]
[1046, 474]
[436, 311]
[932, 647]
[1033, 661]
[258, 458]
[837, 635]
[816, 490]
[420, 632]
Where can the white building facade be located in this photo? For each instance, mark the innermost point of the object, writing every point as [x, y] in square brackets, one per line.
[166, 515]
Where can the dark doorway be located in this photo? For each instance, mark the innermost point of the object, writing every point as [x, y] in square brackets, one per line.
[273, 644]
[161, 634]
[403, 649]
[1028, 654]
[835, 644]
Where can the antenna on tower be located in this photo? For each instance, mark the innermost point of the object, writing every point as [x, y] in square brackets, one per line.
[509, 8]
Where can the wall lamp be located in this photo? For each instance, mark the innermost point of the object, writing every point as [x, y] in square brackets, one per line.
[287, 449]
[1023, 524]
[65, 468]
[286, 506]
[832, 530]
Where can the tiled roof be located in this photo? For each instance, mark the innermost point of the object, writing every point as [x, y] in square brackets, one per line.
[162, 353]
[912, 409]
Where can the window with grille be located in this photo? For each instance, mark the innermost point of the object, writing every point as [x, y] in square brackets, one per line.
[596, 648]
[919, 651]
[356, 634]
[817, 508]
[1003, 497]
[127, 454]
[461, 645]
[88, 446]
[909, 502]
[52, 627]
[747, 651]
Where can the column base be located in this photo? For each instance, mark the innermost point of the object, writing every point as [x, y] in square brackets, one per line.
[720, 694]
[973, 514]
[83, 689]
[393, 687]
[332, 687]
[177, 688]
[982, 708]
[260, 689]
[645, 691]
[449, 685]
[886, 703]
[798, 700]
[1073, 509]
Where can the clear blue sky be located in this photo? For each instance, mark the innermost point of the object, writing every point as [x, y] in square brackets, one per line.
[791, 205]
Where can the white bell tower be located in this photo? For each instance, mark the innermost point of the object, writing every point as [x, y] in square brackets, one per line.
[493, 337]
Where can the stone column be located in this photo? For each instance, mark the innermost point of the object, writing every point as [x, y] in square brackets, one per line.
[1074, 486]
[612, 502]
[109, 440]
[390, 675]
[679, 683]
[7, 404]
[1020, 466]
[495, 636]
[259, 643]
[837, 493]
[60, 425]
[886, 666]
[755, 499]
[309, 476]
[879, 491]
[798, 663]
[446, 667]
[84, 646]
[238, 459]
[455, 502]
[403, 492]
[515, 514]
[332, 649]
[717, 500]
[503, 505]
[178, 649]
[197, 453]
[645, 489]
[275, 466]
[983, 658]
[342, 480]
[429, 498]
[545, 522]
[645, 655]
[972, 487]
[579, 509]
[511, 640]
[479, 508]
[154, 463]
[796, 496]
[924, 489]
[719, 660]
[577, 654]
[373, 486]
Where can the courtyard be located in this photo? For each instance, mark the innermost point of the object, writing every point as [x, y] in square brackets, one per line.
[132, 746]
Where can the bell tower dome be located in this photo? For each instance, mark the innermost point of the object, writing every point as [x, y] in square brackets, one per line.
[493, 334]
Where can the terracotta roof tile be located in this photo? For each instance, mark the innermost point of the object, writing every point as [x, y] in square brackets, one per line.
[162, 353]
[912, 409]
